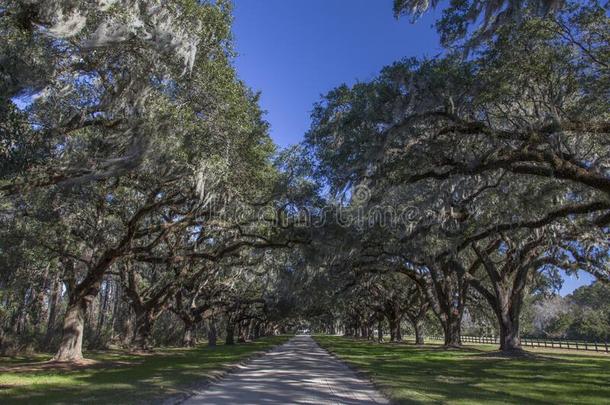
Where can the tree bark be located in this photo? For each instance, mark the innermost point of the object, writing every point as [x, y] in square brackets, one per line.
[240, 332]
[71, 346]
[450, 290]
[452, 328]
[419, 336]
[212, 334]
[509, 335]
[128, 327]
[256, 330]
[398, 332]
[188, 339]
[248, 331]
[394, 322]
[506, 297]
[230, 338]
[365, 332]
[392, 328]
[85, 292]
[142, 332]
[507, 309]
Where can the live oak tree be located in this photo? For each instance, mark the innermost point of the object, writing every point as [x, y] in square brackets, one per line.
[471, 21]
[517, 260]
[514, 137]
[137, 116]
[93, 71]
[139, 187]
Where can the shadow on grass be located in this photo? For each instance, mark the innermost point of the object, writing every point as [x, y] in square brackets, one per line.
[126, 378]
[424, 374]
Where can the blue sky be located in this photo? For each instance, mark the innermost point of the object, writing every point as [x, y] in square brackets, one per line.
[295, 51]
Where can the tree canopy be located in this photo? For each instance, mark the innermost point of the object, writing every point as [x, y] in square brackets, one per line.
[140, 189]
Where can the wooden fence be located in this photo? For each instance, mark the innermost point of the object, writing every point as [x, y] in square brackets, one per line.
[534, 342]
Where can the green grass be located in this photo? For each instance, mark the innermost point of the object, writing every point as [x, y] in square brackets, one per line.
[122, 378]
[409, 374]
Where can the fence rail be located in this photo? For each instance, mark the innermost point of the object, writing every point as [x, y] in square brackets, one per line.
[550, 343]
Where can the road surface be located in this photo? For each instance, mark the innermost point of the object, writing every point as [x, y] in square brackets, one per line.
[297, 372]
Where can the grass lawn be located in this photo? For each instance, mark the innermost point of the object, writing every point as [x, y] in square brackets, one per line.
[116, 377]
[409, 374]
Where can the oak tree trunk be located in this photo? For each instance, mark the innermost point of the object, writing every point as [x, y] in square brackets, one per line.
[419, 336]
[212, 334]
[452, 329]
[142, 331]
[230, 338]
[508, 305]
[188, 339]
[71, 346]
[398, 332]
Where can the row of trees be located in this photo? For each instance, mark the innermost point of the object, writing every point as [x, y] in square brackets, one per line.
[140, 188]
[138, 178]
[478, 176]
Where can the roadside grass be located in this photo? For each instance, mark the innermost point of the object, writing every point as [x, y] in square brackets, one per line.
[116, 377]
[410, 374]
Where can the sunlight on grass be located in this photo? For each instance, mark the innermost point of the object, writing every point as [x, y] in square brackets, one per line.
[429, 374]
[126, 378]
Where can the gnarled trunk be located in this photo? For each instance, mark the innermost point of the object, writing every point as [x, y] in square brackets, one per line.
[447, 297]
[509, 336]
[509, 282]
[71, 346]
[507, 310]
[452, 329]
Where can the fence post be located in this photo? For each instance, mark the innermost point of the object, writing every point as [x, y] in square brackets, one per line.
[537, 342]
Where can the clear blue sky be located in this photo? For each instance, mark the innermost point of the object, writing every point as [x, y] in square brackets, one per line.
[294, 51]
